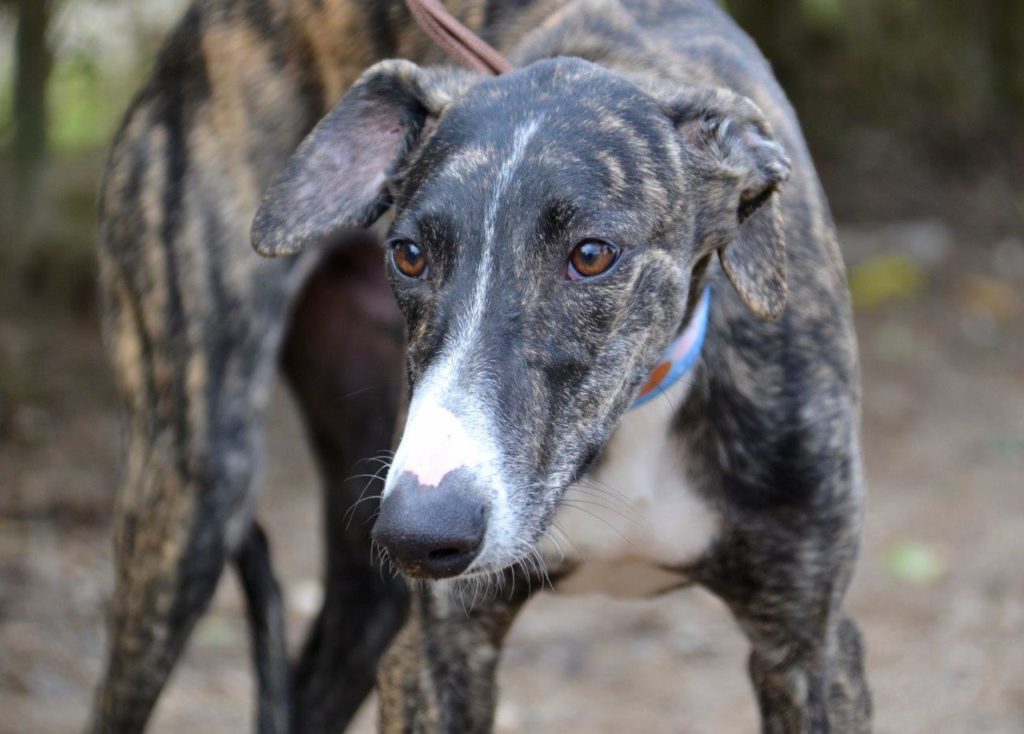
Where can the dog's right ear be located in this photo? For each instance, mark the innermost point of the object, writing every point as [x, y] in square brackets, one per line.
[336, 178]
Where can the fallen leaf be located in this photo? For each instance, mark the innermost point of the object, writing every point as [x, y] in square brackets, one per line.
[883, 278]
[914, 562]
[989, 298]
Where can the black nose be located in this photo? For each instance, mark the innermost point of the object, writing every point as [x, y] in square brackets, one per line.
[432, 532]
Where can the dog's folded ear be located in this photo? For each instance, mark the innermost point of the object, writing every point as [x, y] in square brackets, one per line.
[738, 168]
[337, 177]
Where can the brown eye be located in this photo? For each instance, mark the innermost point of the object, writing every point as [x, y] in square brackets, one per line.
[409, 259]
[590, 258]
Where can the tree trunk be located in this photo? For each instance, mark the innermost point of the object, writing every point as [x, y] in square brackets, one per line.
[33, 60]
[1008, 57]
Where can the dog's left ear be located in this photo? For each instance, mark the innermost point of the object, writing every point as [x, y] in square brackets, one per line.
[337, 177]
[738, 167]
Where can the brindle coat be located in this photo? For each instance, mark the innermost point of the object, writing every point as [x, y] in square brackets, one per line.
[196, 323]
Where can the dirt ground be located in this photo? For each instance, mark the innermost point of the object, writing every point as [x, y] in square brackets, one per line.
[939, 592]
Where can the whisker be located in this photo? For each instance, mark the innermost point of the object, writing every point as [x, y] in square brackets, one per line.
[476, 590]
[355, 393]
[543, 569]
[605, 490]
[565, 535]
[364, 476]
[376, 460]
[350, 513]
[596, 503]
[599, 518]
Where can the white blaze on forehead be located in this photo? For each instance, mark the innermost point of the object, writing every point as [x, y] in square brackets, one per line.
[446, 431]
[474, 318]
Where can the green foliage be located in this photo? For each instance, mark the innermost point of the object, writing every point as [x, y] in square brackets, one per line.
[84, 105]
[6, 110]
[928, 65]
[822, 13]
[910, 107]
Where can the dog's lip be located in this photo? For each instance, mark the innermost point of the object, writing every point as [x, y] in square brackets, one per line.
[523, 560]
[489, 570]
[415, 571]
[550, 574]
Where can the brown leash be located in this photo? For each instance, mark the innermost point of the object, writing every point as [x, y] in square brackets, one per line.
[456, 39]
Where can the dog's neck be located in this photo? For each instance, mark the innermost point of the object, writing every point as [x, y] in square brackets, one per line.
[601, 31]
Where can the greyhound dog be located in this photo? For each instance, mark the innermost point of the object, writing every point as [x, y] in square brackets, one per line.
[616, 276]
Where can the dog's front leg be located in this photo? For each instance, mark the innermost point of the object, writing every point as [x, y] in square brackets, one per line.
[806, 662]
[438, 676]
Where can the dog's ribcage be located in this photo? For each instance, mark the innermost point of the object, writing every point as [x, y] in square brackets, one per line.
[634, 516]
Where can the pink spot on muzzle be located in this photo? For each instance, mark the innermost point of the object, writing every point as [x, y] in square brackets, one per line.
[437, 445]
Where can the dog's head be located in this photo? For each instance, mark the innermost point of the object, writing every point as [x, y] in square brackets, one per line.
[550, 228]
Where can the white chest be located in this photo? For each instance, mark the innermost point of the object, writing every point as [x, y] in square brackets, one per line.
[635, 515]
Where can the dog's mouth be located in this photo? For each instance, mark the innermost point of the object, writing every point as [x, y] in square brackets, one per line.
[456, 530]
[458, 564]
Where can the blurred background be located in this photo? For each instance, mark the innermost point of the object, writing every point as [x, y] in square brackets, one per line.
[914, 111]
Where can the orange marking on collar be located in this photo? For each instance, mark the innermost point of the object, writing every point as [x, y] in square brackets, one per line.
[657, 375]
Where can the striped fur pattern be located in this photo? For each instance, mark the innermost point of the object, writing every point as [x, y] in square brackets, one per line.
[667, 132]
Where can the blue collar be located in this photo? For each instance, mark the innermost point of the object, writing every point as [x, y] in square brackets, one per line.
[681, 355]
